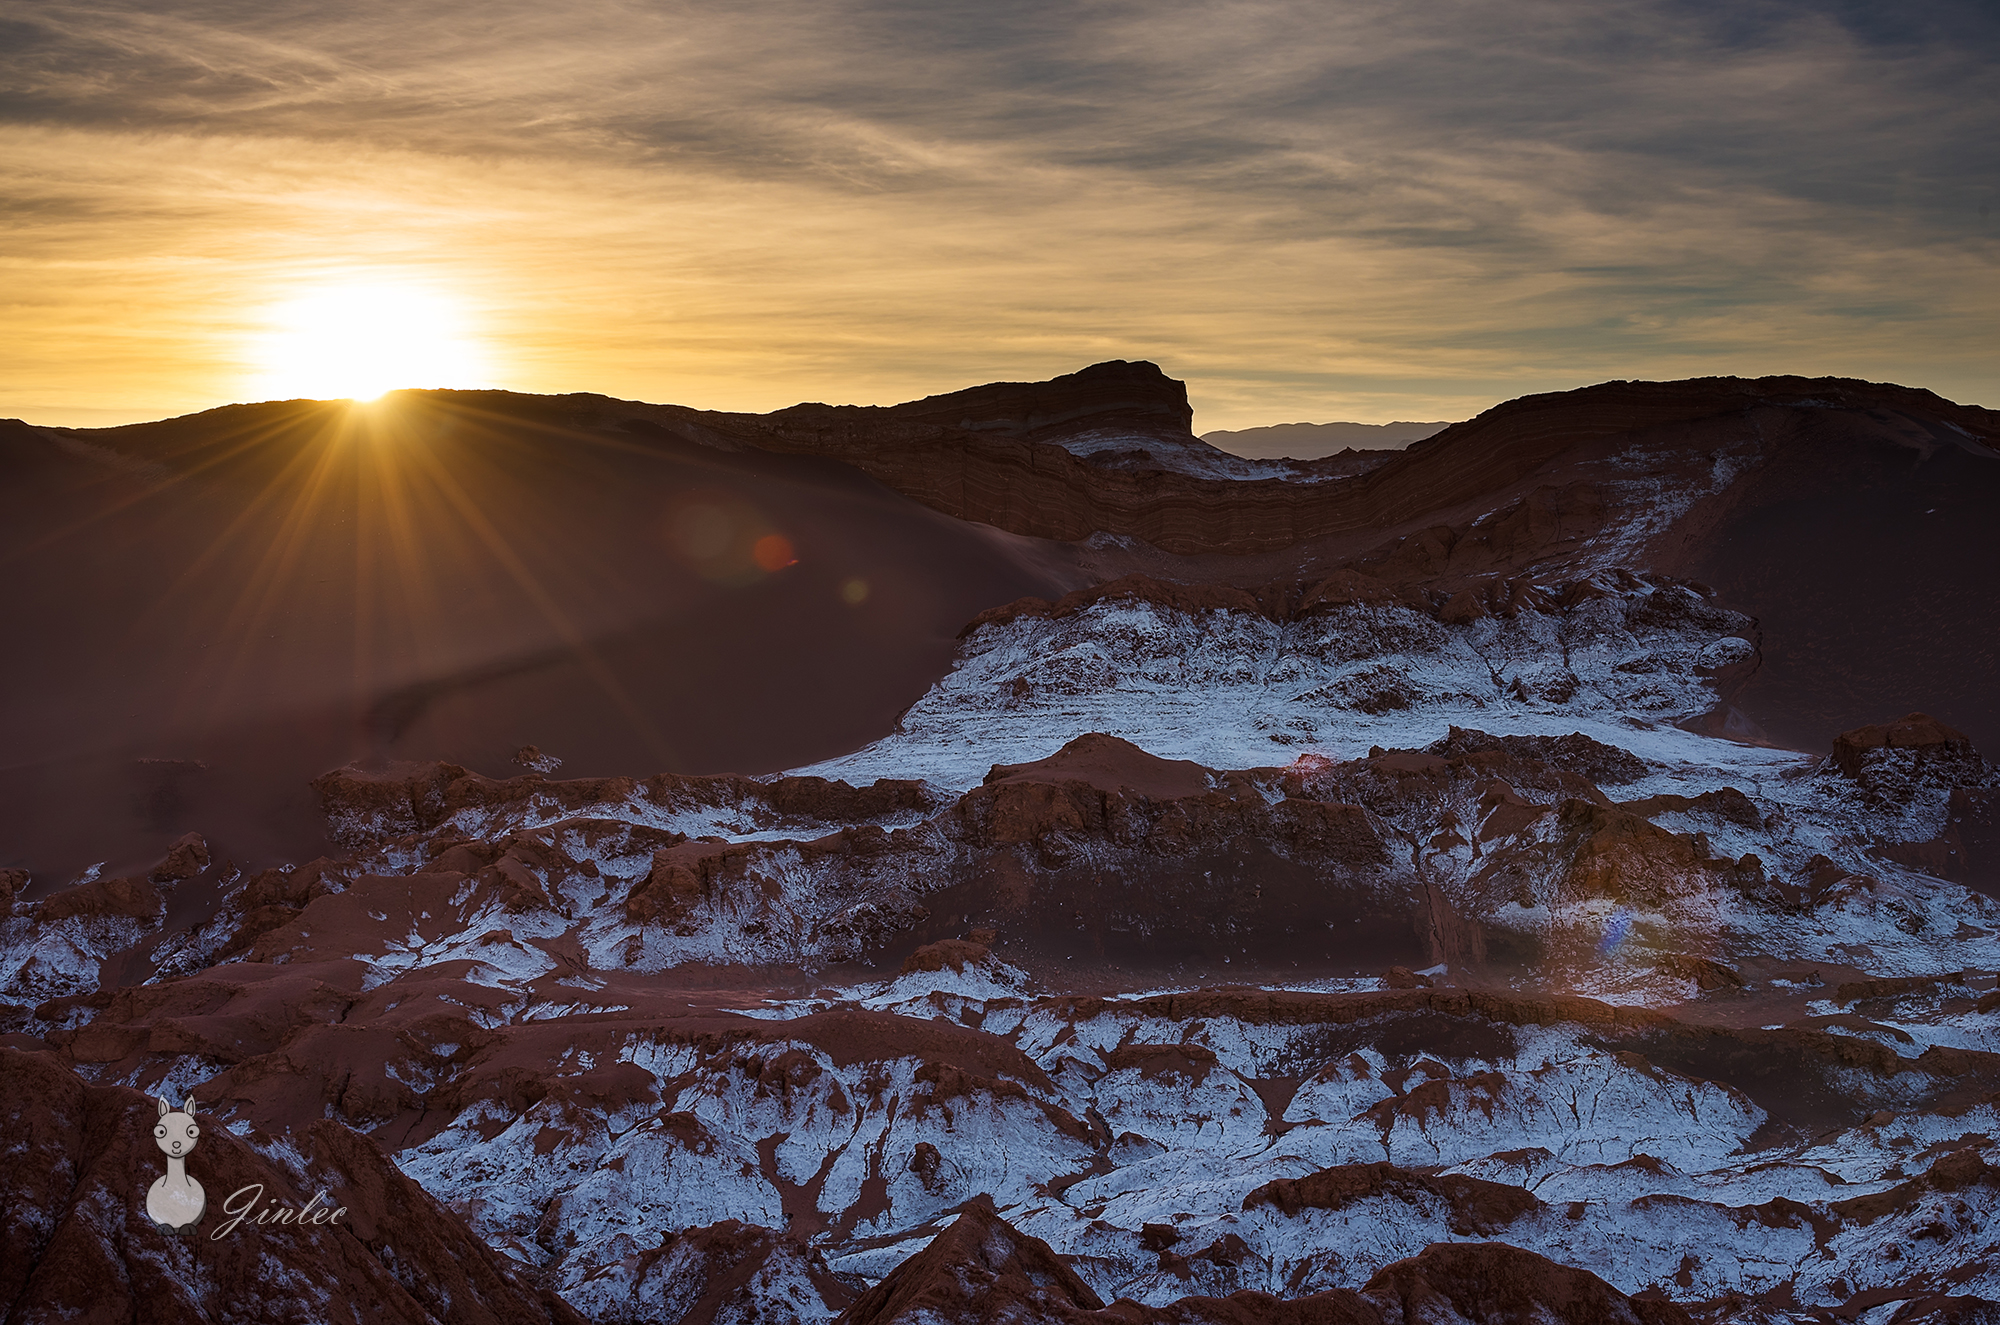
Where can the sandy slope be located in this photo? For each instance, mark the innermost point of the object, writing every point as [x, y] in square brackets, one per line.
[214, 610]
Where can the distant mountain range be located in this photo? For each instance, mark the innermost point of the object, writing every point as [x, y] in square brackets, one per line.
[1311, 441]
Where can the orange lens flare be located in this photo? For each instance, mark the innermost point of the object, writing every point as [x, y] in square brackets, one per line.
[773, 552]
[725, 540]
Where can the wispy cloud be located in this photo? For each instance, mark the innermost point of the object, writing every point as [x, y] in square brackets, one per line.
[1308, 209]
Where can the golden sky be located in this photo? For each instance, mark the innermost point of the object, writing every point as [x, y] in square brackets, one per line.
[1307, 209]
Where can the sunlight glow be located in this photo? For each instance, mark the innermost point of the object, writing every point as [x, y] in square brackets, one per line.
[359, 339]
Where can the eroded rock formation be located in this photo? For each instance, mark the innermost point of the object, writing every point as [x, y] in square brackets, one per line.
[1355, 891]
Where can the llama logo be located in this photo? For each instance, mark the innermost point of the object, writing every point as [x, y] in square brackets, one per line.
[176, 1201]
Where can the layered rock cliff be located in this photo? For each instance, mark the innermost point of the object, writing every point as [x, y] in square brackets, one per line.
[997, 454]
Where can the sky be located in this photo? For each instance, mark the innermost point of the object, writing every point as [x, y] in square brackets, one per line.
[1307, 210]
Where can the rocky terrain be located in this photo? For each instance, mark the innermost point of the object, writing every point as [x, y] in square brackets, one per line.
[1260, 891]
[1316, 441]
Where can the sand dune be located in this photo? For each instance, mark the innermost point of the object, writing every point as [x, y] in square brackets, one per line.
[213, 610]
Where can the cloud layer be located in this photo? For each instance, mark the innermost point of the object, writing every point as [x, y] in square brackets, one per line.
[1310, 210]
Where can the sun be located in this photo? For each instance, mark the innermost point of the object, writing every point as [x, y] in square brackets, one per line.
[359, 339]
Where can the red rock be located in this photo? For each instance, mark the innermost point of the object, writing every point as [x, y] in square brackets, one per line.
[1608, 852]
[954, 954]
[1458, 1283]
[708, 1274]
[1705, 973]
[980, 1269]
[1007, 476]
[80, 1246]
[1726, 804]
[1893, 987]
[1575, 753]
[1936, 749]
[1947, 1309]
[831, 801]
[184, 859]
[1462, 608]
[1477, 1208]
[1346, 587]
[1111, 765]
[1160, 1062]
[367, 807]
[1953, 1172]
[137, 898]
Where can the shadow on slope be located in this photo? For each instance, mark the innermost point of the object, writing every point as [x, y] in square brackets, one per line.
[213, 609]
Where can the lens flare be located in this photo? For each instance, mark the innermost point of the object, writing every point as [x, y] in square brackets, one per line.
[1616, 931]
[725, 540]
[705, 533]
[773, 552]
